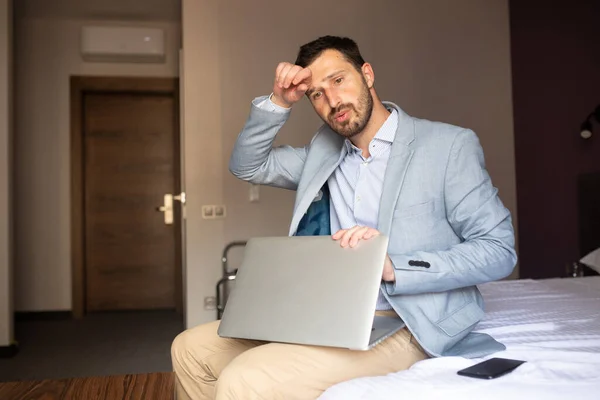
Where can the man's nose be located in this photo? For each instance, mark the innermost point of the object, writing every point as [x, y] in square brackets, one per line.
[332, 98]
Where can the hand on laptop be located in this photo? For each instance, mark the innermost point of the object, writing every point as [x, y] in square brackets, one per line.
[351, 237]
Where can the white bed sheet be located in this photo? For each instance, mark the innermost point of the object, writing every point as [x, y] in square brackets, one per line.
[552, 324]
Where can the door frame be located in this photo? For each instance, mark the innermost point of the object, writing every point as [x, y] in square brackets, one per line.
[79, 86]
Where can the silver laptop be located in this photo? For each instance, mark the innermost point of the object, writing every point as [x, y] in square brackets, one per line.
[309, 290]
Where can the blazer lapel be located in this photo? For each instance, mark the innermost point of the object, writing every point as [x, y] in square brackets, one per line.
[392, 184]
[400, 157]
[334, 152]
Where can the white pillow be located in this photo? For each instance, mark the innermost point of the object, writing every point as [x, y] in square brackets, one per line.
[592, 260]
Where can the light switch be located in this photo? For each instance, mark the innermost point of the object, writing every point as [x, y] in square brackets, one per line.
[254, 193]
[208, 212]
[220, 211]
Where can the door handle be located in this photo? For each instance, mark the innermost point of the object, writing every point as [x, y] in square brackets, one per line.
[180, 197]
[167, 207]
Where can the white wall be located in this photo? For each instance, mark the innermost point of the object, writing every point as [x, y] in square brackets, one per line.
[46, 54]
[6, 315]
[439, 60]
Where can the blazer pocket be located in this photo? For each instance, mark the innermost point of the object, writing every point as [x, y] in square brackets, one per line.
[416, 210]
[461, 319]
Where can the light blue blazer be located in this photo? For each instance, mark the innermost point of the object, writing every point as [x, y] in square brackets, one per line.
[448, 230]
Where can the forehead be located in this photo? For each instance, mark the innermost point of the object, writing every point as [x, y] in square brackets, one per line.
[329, 61]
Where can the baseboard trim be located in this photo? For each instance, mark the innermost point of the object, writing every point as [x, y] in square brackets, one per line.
[9, 351]
[43, 316]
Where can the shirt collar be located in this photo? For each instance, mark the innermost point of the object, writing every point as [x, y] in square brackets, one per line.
[386, 133]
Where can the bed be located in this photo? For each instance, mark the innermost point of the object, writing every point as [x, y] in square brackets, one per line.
[553, 324]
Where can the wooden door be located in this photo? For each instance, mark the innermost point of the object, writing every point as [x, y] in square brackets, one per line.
[130, 147]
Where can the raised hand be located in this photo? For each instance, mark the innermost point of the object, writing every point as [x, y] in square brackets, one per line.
[291, 83]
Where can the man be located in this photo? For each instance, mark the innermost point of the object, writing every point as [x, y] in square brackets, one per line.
[370, 169]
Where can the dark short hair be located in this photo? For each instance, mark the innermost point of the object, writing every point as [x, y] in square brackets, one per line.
[348, 47]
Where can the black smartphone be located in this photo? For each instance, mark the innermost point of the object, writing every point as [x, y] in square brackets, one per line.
[490, 369]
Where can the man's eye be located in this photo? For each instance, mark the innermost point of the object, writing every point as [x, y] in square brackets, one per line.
[316, 95]
[339, 80]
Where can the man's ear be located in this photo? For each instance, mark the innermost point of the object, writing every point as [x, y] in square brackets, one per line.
[368, 74]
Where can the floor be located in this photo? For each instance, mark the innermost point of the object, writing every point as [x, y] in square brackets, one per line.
[100, 344]
[157, 386]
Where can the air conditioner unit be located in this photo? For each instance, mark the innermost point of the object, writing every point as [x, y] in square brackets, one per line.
[122, 44]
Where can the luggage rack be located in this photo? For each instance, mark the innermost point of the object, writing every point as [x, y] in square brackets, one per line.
[228, 277]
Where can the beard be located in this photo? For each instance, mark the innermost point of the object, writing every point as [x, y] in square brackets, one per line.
[363, 111]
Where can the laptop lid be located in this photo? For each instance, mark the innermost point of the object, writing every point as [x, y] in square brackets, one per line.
[306, 290]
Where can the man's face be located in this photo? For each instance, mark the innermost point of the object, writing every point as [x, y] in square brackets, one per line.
[340, 94]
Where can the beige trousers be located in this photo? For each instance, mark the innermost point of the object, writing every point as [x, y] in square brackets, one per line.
[210, 367]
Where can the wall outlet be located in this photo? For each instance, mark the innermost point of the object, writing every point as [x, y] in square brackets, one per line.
[210, 303]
